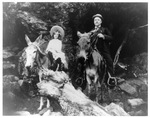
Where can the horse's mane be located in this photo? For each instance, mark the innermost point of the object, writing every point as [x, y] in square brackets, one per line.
[43, 46]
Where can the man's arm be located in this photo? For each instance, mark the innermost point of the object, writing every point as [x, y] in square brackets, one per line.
[107, 35]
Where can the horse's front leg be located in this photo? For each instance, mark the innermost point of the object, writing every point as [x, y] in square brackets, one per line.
[48, 103]
[89, 90]
[97, 95]
[96, 83]
[88, 84]
[41, 103]
[41, 98]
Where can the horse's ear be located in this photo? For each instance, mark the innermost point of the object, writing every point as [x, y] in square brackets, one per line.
[38, 39]
[27, 40]
[78, 34]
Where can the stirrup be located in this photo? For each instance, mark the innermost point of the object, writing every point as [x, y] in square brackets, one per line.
[113, 78]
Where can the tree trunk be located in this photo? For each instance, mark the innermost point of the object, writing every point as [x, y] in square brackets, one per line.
[72, 101]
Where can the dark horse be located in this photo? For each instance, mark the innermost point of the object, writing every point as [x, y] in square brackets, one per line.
[33, 60]
[92, 63]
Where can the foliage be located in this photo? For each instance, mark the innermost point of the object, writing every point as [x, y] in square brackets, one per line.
[73, 16]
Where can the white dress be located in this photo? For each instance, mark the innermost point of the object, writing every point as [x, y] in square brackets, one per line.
[55, 46]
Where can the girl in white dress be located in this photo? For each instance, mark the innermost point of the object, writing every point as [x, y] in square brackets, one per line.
[55, 46]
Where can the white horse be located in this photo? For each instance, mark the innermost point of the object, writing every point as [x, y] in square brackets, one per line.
[35, 55]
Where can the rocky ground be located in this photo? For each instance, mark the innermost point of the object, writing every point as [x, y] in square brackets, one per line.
[131, 93]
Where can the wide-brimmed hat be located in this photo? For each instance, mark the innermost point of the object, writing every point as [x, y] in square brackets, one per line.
[98, 15]
[59, 29]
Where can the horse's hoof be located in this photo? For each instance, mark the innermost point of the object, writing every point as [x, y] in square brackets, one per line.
[79, 88]
[40, 108]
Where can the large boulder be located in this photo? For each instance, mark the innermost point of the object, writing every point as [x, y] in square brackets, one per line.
[116, 110]
[128, 88]
[8, 65]
[141, 61]
[135, 102]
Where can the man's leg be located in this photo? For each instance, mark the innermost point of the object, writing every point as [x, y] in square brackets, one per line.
[109, 62]
[111, 81]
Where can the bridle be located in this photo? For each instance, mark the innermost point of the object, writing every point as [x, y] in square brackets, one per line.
[37, 46]
[34, 62]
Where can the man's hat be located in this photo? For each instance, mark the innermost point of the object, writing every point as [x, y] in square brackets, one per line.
[59, 29]
[98, 15]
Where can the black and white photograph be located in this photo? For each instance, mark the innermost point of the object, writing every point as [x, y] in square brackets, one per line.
[74, 58]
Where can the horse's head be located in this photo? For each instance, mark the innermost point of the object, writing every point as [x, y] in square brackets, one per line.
[31, 51]
[84, 44]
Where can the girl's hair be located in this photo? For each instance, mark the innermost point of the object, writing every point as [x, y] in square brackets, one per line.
[59, 36]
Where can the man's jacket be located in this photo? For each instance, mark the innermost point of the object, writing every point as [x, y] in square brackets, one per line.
[101, 44]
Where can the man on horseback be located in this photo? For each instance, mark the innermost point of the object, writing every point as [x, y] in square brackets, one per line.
[54, 48]
[100, 40]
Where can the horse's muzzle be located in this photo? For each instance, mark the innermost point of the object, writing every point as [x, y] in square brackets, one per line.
[81, 60]
[28, 70]
[82, 54]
